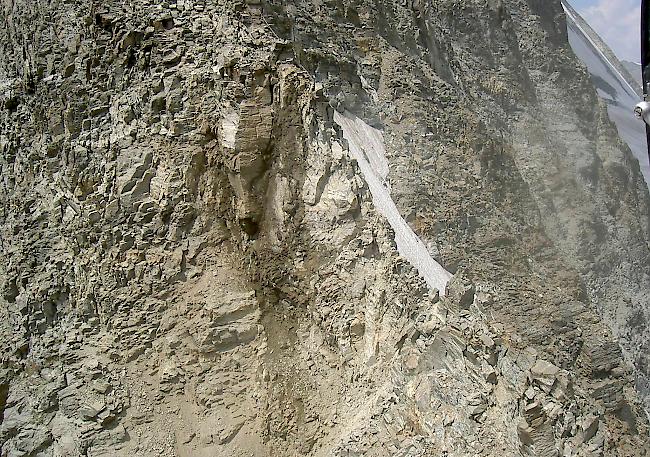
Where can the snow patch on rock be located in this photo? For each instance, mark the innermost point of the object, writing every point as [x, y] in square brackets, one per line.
[366, 146]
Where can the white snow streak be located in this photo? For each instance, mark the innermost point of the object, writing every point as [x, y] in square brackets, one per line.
[366, 145]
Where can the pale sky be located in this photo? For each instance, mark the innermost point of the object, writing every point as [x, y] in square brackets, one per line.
[617, 22]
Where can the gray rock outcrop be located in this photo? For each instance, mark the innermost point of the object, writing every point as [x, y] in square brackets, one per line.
[191, 262]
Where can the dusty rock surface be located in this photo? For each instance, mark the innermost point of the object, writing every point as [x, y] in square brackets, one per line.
[191, 262]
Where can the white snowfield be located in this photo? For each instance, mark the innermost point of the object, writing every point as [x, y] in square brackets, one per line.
[612, 87]
[366, 145]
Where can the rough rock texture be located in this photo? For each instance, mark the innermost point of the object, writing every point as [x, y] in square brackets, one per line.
[191, 262]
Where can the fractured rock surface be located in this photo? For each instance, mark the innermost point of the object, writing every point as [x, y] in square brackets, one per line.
[192, 264]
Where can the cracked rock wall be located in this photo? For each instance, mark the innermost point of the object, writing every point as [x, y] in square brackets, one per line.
[501, 156]
[191, 262]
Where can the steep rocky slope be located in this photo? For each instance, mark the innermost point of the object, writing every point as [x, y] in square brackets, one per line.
[193, 262]
[619, 91]
[617, 83]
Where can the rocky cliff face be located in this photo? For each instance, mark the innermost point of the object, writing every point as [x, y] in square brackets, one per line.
[194, 263]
